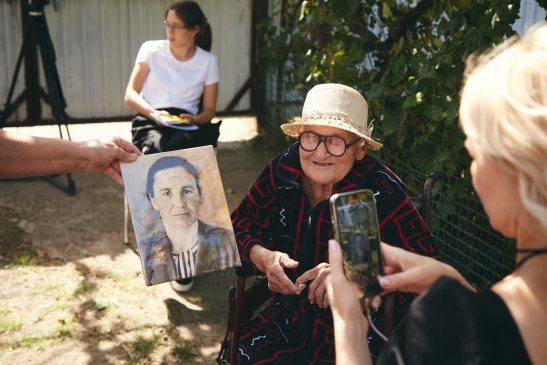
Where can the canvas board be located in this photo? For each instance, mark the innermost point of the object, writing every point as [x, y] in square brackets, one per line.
[180, 215]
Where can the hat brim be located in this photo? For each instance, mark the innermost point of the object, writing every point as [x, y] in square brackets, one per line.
[295, 126]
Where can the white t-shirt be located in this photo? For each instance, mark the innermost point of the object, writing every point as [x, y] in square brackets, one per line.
[172, 83]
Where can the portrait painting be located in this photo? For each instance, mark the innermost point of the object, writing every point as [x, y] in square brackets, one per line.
[179, 213]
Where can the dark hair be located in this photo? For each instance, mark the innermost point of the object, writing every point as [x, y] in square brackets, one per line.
[192, 15]
[164, 163]
[354, 236]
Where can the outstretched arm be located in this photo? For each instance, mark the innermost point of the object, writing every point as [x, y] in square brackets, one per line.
[22, 155]
[350, 325]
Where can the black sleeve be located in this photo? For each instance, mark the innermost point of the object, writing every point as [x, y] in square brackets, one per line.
[452, 325]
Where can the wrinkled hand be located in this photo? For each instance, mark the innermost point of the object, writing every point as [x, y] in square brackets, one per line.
[273, 264]
[104, 155]
[409, 272]
[317, 291]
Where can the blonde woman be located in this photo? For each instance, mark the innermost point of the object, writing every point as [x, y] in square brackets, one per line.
[503, 113]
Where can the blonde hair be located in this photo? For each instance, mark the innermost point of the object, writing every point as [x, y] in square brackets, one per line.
[503, 112]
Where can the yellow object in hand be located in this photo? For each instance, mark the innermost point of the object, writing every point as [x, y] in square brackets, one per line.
[175, 118]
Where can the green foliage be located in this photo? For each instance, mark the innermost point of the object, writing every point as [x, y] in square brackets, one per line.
[26, 259]
[407, 58]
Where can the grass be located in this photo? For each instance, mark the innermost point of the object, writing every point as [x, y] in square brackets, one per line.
[92, 304]
[194, 299]
[7, 325]
[120, 281]
[27, 259]
[85, 287]
[141, 348]
[65, 328]
[185, 351]
[58, 306]
[39, 343]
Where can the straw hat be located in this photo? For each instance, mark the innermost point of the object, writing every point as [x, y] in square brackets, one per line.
[334, 105]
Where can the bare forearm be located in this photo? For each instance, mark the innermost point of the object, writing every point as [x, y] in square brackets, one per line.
[351, 341]
[350, 325]
[137, 103]
[22, 156]
[204, 117]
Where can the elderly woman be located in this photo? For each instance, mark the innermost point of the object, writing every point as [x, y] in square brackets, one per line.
[283, 225]
[503, 113]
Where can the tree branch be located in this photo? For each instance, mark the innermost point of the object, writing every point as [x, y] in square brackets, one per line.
[407, 21]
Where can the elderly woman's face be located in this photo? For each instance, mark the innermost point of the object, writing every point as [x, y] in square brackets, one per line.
[323, 168]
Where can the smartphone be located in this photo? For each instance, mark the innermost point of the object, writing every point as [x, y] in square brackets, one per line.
[355, 226]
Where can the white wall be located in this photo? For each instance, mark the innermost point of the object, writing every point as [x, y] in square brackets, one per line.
[530, 13]
[96, 42]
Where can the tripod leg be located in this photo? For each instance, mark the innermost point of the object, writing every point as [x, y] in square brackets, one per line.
[69, 187]
[36, 31]
[56, 98]
[8, 106]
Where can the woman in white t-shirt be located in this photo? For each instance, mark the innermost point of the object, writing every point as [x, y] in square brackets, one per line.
[172, 77]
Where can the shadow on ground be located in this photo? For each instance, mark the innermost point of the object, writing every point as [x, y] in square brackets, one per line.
[74, 293]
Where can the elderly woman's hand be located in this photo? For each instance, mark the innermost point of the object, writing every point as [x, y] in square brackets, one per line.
[273, 264]
[317, 291]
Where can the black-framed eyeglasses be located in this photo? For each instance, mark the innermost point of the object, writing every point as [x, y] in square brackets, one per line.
[336, 146]
[174, 27]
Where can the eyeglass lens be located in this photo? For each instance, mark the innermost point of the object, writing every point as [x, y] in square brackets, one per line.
[309, 142]
[174, 27]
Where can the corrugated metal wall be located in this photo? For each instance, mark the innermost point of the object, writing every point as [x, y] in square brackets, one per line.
[96, 42]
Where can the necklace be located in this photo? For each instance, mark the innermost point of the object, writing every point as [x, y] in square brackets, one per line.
[531, 252]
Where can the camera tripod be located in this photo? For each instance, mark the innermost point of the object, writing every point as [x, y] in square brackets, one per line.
[36, 37]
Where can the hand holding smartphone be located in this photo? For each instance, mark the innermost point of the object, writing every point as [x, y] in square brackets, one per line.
[355, 226]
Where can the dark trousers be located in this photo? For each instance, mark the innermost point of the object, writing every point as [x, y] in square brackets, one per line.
[146, 133]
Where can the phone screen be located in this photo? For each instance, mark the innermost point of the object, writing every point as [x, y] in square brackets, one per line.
[355, 226]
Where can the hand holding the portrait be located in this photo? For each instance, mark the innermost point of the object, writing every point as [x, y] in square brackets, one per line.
[104, 155]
